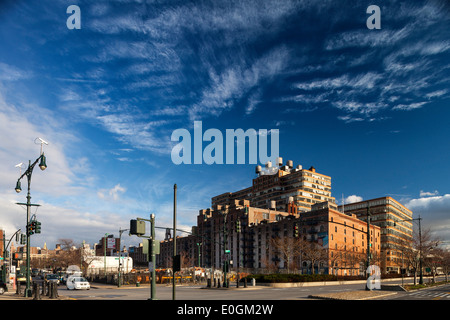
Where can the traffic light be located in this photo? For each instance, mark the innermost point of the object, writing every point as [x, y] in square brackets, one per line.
[23, 239]
[296, 233]
[30, 228]
[137, 227]
[37, 227]
[176, 263]
[238, 226]
[150, 247]
[17, 256]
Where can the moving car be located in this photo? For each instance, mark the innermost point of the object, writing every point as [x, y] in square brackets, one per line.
[75, 283]
[52, 277]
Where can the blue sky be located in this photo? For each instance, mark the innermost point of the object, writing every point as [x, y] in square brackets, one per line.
[368, 107]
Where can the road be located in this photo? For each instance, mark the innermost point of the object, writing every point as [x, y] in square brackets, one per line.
[258, 293]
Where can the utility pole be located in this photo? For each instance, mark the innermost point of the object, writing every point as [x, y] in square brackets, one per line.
[104, 252]
[368, 243]
[137, 227]
[174, 238]
[152, 247]
[420, 252]
[225, 250]
[120, 255]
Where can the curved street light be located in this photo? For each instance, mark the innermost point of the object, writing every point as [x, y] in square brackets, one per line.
[28, 172]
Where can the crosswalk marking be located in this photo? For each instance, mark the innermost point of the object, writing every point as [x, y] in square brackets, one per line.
[432, 294]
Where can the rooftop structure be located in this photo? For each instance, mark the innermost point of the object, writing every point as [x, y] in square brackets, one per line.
[275, 187]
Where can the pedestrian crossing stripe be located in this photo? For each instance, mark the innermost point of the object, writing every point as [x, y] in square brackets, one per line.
[432, 294]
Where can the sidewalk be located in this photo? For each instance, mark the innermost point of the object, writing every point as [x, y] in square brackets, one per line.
[353, 295]
[14, 296]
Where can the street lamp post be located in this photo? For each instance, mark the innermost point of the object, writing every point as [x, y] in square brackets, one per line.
[120, 245]
[104, 252]
[174, 239]
[368, 243]
[42, 165]
[225, 250]
[5, 249]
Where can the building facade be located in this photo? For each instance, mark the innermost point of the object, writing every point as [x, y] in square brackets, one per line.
[322, 240]
[108, 246]
[395, 222]
[288, 220]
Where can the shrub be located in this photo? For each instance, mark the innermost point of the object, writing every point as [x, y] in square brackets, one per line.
[283, 278]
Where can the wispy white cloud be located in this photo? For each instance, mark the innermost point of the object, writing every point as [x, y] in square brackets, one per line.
[350, 119]
[12, 73]
[113, 193]
[231, 85]
[428, 194]
[362, 38]
[363, 81]
[136, 132]
[408, 107]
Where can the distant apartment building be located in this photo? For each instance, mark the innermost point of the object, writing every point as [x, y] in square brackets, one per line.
[107, 245]
[288, 220]
[259, 239]
[140, 258]
[395, 222]
[282, 184]
[2, 243]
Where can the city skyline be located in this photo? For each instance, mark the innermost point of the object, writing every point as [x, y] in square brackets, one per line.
[367, 107]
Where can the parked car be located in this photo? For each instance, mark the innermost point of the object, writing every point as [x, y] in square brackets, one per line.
[3, 287]
[76, 283]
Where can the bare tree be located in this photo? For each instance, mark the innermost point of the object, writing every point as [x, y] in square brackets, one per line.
[417, 251]
[446, 263]
[288, 248]
[312, 252]
[336, 258]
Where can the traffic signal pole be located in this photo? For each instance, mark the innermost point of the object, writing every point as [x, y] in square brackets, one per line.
[174, 238]
[152, 245]
[368, 288]
[137, 227]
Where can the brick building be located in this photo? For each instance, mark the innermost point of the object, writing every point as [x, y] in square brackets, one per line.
[108, 246]
[260, 239]
[287, 216]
